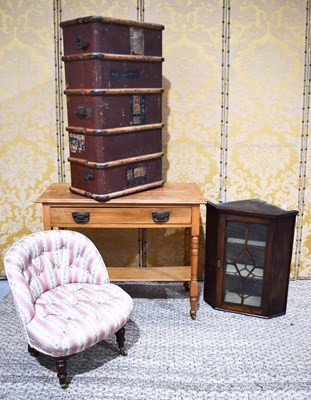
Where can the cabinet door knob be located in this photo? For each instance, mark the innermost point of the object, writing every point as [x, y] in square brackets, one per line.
[218, 264]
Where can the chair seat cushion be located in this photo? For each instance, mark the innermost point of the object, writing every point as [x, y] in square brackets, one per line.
[75, 316]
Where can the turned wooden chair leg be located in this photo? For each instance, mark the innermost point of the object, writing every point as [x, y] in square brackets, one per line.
[120, 340]
[33, 352]
[61, 368]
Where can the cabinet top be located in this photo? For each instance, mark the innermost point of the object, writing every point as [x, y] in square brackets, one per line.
[254, 207]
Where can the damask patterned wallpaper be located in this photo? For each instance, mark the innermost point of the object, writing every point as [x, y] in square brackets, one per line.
[235, 112]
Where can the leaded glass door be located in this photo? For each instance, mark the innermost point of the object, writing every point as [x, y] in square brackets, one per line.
[244, 261]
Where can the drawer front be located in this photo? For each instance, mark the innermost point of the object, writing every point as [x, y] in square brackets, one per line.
[120, 217]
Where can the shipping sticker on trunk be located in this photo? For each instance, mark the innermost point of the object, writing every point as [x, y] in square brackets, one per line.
[136, 174]
[137, 109]
[124, 74]
[76, 143]
[137, 40]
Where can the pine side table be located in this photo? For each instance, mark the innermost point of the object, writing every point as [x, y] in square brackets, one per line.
[174, 205]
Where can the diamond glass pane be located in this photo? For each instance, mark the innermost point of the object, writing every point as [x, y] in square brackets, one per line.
[244, 262]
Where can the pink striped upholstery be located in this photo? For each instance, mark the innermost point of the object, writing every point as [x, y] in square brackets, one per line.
[62, 292]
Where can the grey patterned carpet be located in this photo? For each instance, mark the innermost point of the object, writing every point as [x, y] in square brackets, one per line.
[218, 356]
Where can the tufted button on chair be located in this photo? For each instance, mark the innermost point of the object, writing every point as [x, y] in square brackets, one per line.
[63, 295]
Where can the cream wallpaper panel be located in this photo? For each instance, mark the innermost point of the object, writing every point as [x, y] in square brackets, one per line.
[262, 148]
[191, 80]
[266, 77]
[125, 9]
[304, 267]
[191, 113]
[28, 161]
[267, 46]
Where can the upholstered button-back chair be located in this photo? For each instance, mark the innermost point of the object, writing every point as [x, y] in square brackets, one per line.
[63, 295]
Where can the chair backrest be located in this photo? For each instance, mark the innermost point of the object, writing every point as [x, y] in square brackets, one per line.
[44, 260]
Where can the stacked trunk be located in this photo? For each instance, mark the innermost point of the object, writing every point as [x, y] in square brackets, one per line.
[113, 71]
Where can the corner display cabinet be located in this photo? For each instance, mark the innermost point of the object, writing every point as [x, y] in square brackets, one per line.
[248, 256]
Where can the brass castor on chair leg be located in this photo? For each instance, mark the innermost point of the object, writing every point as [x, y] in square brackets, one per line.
[123, 351]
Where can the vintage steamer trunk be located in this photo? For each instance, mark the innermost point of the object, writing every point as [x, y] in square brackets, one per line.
[113, 71]
[125, 176]
[99, 70]
[108, 108]
[111, 35]
[100, 145]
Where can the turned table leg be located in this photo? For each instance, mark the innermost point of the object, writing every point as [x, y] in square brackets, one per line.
[187, 255]
[194, 289]
[194, 255]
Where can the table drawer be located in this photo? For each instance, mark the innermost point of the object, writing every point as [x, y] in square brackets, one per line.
[131, 217]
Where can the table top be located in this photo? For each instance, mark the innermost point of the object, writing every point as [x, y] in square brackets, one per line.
[169, 193]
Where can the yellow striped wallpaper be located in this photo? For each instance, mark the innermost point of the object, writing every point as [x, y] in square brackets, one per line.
[236, 111]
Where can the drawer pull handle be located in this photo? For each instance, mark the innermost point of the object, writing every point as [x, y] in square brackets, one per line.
[160, 217]
[81, 217]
